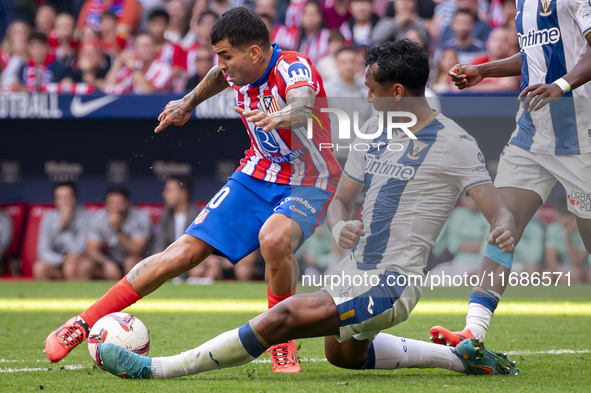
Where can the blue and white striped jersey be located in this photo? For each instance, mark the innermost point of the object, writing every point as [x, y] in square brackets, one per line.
[410, 193]
[552, 40]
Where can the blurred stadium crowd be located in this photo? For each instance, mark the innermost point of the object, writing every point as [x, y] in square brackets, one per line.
[148, 46]
[74, 241]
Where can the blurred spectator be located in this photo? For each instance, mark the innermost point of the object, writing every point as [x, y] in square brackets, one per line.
[396, 27]
[128, 14]
[358, 29]
[14, 52]
[466, 229]
[45, 19]
[502, 14]
[326, 65]
[268, 23]
[498, 47]
[178, 212]
[336, 12]
[6, 232]
[220, 6]
[62, 44]
[565, 251]
[117, 238]
[203, 63]
[529, 253]
[198, 37]
[168, 52]
[480, 27]
[91, 66]
[111, 41]
[311, 39]
[267, 8]
[425, 9]
[138, 71]
[62, 236]
[443, 83]
[38, 72]
[178, 24]
[294, 13]
[199, 9]
[466, 47]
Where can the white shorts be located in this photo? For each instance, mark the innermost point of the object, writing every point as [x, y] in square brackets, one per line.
[538, 172]
[378, 303]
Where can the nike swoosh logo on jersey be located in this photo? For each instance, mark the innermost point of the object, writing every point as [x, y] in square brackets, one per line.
[297, 210]
[81, 109]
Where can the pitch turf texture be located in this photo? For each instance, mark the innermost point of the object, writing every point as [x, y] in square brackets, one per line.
[545, 329]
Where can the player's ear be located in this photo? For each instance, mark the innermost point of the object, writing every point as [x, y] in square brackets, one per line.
[397, 90]
[254, 53]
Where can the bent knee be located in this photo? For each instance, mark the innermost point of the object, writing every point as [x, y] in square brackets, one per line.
[275, 243]
[344, 360]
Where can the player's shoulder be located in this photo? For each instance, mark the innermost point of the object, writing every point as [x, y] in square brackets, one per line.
[452, 132]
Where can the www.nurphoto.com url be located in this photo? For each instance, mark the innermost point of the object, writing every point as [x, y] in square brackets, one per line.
[440, 279]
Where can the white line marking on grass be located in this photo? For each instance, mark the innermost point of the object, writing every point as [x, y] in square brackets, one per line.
[550, 352]
[30, 369]
[266, 361]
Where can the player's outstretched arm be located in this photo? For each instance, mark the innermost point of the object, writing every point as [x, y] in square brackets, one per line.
[300, 104]
[492, 206]
[466, 75]
[178, 112]
[541, 94]
[346, 232]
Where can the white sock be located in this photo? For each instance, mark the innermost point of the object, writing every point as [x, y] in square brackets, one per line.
[478, 320]
[225, 350]
[392, 352]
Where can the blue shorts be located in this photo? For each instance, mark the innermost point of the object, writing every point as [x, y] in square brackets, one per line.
[233, 218]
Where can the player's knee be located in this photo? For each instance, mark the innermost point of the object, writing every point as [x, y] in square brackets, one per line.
[338, 358]
[275, 244]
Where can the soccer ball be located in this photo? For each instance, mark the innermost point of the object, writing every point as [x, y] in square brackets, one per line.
[121, 329]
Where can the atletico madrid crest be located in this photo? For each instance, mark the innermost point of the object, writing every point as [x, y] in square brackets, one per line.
[270, 104]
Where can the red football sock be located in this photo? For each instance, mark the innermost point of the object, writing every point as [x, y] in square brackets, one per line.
[119, 297]
[273, 299]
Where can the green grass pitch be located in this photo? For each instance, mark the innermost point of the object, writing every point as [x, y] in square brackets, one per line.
[545, 329]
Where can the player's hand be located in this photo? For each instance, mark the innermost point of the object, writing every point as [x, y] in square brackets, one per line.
[259, 118]
[502, 238]
[465, 75]
[175, 113]
[539, 95]
[350, 234]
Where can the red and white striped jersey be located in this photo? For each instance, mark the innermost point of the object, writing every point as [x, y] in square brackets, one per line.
[158, 74]
[173, 55]
[287, 156]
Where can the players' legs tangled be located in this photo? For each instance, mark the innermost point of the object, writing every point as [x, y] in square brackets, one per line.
[143, 279]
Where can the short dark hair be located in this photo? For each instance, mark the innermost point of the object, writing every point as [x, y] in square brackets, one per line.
[117, 190]
[158, 13]
[241, 27]
[401, 61]
[185, 183]
[70, 184]
[145, 32]
[38, 36]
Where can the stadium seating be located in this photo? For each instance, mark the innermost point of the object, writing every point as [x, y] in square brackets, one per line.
[31, 236]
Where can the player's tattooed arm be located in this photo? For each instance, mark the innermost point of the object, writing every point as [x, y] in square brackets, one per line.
[340, 211]
[300, 104]
[178, 112]
[502, 223]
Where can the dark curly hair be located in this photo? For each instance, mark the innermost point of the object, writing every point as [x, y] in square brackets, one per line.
[401, 61]
[241, 27]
